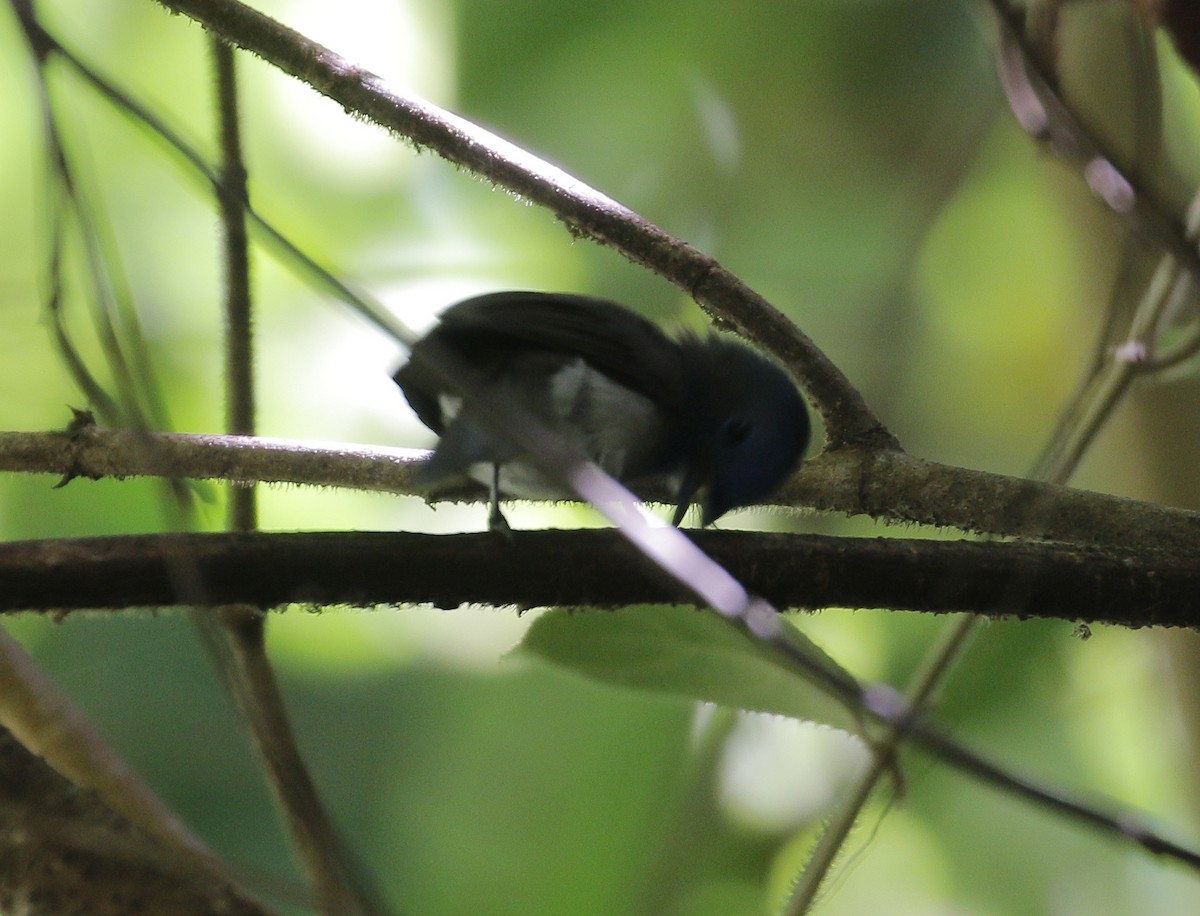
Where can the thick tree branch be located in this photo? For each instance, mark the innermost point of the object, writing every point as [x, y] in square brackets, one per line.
[598, 569]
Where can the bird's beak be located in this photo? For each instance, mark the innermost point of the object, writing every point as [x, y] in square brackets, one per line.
[687, 490]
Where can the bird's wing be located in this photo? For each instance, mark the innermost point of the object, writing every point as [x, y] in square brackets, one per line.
[612, 339]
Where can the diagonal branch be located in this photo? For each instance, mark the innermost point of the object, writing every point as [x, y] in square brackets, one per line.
[585, 211]
[63, 850]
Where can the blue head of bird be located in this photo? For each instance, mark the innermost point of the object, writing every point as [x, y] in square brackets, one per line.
[743, 426]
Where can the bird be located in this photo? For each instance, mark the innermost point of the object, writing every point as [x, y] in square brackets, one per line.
[707, 416]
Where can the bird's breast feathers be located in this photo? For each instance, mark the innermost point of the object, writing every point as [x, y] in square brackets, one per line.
[614, 427]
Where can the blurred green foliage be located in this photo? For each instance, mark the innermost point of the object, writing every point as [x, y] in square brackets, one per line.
[852, 161]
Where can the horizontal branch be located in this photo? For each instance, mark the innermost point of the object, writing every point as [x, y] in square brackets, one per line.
[888, 485]
[896, 487]
[593, 568]
[86, 450]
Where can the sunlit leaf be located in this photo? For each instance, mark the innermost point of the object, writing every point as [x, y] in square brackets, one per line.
[684, 652]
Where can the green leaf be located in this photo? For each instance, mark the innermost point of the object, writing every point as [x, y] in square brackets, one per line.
[685, 652]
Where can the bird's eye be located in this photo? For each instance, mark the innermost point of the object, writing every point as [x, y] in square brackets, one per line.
[736, 431]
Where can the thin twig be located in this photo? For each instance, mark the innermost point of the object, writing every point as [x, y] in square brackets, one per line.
[235, 261]
[236, 635]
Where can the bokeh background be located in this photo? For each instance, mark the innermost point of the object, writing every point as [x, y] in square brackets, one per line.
[854, 162]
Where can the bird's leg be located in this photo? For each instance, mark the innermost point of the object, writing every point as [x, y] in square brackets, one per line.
[497, 523]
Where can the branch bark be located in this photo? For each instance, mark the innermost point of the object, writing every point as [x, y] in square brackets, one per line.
[63, 851]
[598, 568]
[888, 485]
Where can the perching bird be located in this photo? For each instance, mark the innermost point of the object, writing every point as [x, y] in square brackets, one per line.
[706, 415]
